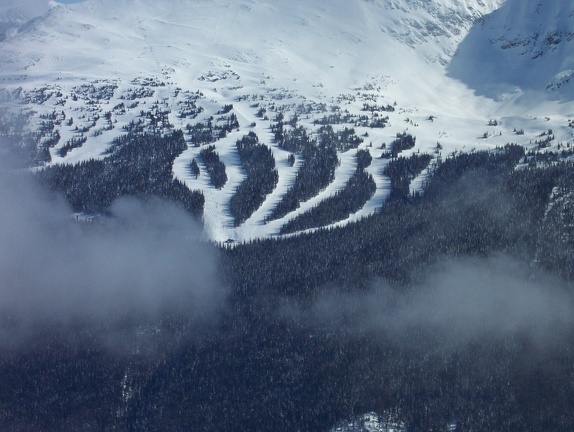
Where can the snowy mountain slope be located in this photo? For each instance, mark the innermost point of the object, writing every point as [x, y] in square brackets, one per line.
[271, 35]
[524, 46]
[19, 11]
[158, 66]
[14, 13]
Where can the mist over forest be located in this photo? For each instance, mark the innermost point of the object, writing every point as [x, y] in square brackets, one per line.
[58, 268]
[262, 215]
[439, 310]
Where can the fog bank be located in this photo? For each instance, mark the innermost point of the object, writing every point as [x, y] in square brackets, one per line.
[458, 302]
[143, 261]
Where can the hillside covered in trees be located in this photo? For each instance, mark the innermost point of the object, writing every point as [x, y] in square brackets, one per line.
[302, 342]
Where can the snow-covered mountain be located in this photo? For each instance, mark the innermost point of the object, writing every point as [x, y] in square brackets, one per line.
[294, 40]
[83, 74]
[524, 46]
[272, 118]
[15, 13]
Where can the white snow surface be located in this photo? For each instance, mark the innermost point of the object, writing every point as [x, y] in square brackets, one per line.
[276, 55]
[19, 11]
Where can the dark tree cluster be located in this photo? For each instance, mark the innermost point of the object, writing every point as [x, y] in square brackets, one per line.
[262, 178]
[72, 144]
[138, 165]
[205, 133]
[364, 158]
[317, 171]
[96, 90]
[226, 108]
[555, 245]
[294, 140]
[373, 108]
[215, 168]
[194, 168]
[278, 129]
[44, 146]
[533, 158]
[402, 171]
[189, 109]
[343, 140]
[42, 155]
[158, 119]
[379, 122]
[133, 93]
[500, 162]
[336, 118]
[200, 133]
[358, 190]
[403, 141]
[226, 124]
[135, 127]
[37, 95]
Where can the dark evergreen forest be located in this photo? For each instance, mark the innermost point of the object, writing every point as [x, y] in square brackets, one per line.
[137, 165]
[262, 177]
[214, 166]
[319, 163]
[263, 368]
[358, 190]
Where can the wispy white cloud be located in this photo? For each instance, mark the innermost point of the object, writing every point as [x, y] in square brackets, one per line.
[461, 301]
[144, 261]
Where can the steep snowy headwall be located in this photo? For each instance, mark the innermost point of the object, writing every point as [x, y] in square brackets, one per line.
[524, 46]
[264, 33]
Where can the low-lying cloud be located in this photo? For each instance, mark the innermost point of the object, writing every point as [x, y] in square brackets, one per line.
[461, 301]
[143, 261]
